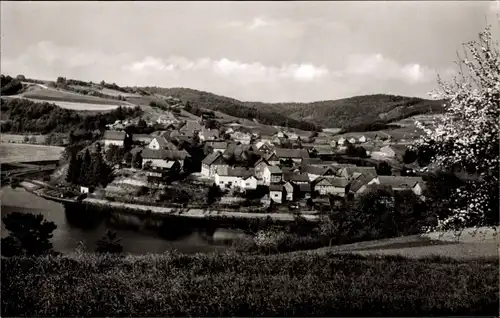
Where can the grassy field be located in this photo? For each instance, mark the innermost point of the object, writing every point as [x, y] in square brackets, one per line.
[26, 152]
[8, 138]
[244, 285]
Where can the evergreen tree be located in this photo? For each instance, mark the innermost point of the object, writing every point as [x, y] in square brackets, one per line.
[85, 168]
[137, 160]
[71, 175]
[127, 141]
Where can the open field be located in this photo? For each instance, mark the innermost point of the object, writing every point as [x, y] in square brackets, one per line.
[52, 94]
[8, 138]
[27, 153]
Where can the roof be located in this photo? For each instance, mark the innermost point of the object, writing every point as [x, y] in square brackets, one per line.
[317, 170]
[369, 171]
[210, 133]
[170, 164]
[274, 169]
[142, 137]
[191, 126]
[297, 177]
[162, 142]
[235, 172]
[275, 187]
[269, 156]
[211, 158]
[324, 150]
[136, 150]
[360, 182]
[308, 161]
[304, 187]
[400, 182]
[217, 144]
[164, 154]
[113, 135]
[291, 153]
[334, 181]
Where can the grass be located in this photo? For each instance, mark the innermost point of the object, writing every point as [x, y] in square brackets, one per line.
[244, 285]
[26, 152]
[58, 95]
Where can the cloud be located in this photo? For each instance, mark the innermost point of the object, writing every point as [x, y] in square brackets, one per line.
[236, 70]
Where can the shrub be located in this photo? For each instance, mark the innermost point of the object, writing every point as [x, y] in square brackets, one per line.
[247, 285]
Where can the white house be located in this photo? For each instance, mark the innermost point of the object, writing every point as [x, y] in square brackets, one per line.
[272, 174]
[289, 189]
[397, 183]
[276, 192]
[113, 138]
[331, 185]
[341, 141]
[227, 177]
[159, 158]
[159, 143]
[352, 140]
[362, 139]
[217, 145]
[248, 183]
[296, 155]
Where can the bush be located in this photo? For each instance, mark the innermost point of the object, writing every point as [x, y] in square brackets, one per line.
[245, 285]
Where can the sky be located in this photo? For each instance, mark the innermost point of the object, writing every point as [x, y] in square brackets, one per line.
[252, 51]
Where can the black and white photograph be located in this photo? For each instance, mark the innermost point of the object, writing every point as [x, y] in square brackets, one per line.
[250, 159]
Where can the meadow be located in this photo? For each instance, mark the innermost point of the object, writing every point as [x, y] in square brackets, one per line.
[231, 284]
[11, 152]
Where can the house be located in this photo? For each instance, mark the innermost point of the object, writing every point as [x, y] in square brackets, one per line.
[272, 174]
[264, 147]
[360, 183]
[415, 184]
[293, 137]
[354, 171]
[217, 145]
[331, 185]
[142, 138]
[362, 139]
[210, 164]
[272, 159]
[86, 189]
[323, 150]
[248, 183]
[289, 190]
[209, 134]
[241, 137]
[333, 143]
[321, 141]
[190, 127]
[160, 142]
[266, 139]
[352, 140]
[304, 190]
[280, 134]
[341, 141]
[296, 178]
[276, 192]
[294, 154]
[393, 151]
[112, 137]
[260, 167]
[159, 158]
[172, 167]
[310, 161]
[314, 172]
[227, 177]
[229, 131]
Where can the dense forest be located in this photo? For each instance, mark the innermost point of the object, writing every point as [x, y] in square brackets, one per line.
[28, 116]
[10, 86]
[232, 107]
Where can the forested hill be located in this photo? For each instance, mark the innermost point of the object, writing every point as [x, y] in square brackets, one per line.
[358, 110]
[233, 107]
[354, 113]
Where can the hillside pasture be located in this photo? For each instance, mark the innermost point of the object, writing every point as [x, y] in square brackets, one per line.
[14, 138]
[26, 153]
[53, 95]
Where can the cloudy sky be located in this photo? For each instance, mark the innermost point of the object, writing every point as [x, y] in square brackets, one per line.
[260, 51]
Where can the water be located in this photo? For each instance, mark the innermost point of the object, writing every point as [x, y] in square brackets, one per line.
[72, 228]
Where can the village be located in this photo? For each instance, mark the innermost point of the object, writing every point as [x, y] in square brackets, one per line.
[250, 170]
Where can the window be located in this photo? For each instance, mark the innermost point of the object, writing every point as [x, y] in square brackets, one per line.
[247, 184]
[276, 195]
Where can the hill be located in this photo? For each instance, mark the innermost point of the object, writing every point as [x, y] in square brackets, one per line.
[360, 113]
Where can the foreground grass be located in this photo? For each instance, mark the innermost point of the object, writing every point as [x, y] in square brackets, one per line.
[244, 285]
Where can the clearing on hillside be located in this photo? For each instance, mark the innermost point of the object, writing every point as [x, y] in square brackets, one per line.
[27, 153]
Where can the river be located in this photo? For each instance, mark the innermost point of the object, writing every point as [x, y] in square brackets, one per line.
[70, 230]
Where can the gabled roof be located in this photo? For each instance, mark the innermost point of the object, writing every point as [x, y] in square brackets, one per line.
[317, 170]
[259, 161]
[142, 137]
[334, 181]
[275, 187]
[210, 133]
[191, 126]
[235, 172]
[136, 150]
[274, 169]
[304, 187]
[359, 182]
[162, 142]
[211, 158]
[291, 153]
[296, 177]
[308, 161]
[113, 135]
[170, 164]
[271, 156]
[324, 150]
[164, 154]
[368, 171]
[400, 182]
